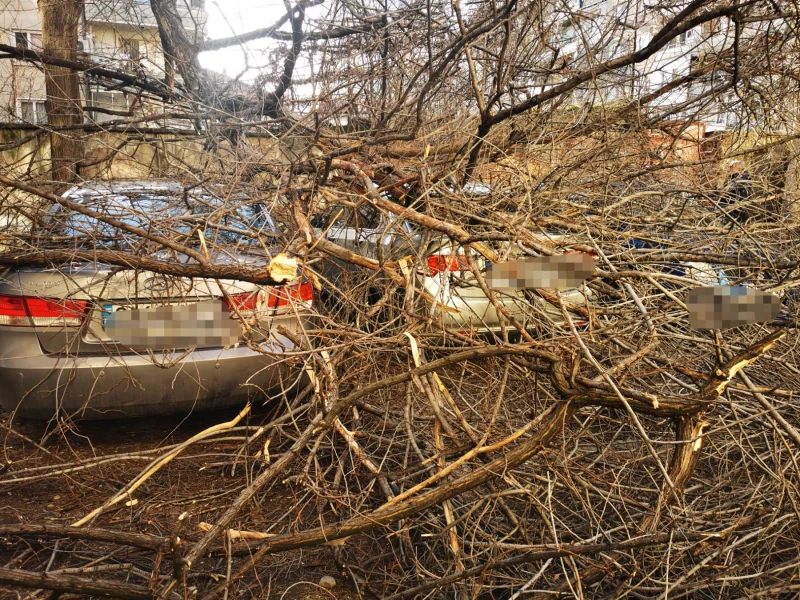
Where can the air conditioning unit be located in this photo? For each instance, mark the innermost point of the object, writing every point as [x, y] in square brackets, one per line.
[82, 53]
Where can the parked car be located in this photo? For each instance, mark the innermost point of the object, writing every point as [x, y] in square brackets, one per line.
[452, 298]
[99, 341]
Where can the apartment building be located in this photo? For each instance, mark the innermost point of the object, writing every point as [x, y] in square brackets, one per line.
[119, 34]
[590, 31]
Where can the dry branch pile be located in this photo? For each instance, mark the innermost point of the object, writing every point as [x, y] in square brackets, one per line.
[579, 449]
[629, 455]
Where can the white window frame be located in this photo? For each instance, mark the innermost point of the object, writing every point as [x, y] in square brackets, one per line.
[731, 118]
[567, 32]
[35, 101]
[27, 33]
[99, 117]
[127, 60]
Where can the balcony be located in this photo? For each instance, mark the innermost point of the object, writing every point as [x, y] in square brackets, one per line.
[137, 13]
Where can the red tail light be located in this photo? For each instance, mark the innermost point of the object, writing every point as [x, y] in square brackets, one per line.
[246, 303]
[439, 263]
[249, 303]
[289, 294]
[24, 312]
[12, 311]
[592, 254]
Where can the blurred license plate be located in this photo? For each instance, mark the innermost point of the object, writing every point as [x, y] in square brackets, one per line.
[109, 309]
[175, 325]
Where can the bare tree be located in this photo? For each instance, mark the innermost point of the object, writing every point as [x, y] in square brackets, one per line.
[600, 447]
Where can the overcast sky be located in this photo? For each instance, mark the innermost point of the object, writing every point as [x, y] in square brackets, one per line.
[226, 17]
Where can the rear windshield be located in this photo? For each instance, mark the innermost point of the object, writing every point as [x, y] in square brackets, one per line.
[184, 219]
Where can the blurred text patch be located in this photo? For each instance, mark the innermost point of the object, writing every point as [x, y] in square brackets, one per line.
[561, 272]
[200, 324]
[722, 307]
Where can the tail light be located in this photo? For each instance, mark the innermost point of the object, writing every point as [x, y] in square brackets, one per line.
[246, 304]
[592, 254]
[13, 312]
[289, 294]
[20, 311]
[250, 303]
[439, 263]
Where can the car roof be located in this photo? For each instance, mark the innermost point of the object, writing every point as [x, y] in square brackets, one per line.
[120, 186]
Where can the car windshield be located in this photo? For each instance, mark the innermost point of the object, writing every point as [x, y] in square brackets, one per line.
[183, 218]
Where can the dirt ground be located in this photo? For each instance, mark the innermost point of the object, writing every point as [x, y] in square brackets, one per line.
[203, 475]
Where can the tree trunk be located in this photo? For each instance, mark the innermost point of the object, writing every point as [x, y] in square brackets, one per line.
[179, 51]
[60, 23]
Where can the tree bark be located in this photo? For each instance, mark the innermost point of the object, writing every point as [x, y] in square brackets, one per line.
[60, 22]
[137, 540]
[180, 52]
[73, 584]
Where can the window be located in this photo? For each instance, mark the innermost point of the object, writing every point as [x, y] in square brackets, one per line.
[731, 118]
[164, 213]
[27, 40]
[340, 213]
[567, 32]
[710, 27]
[33, 112]
[682, 38]
[130, 53]
[113, 101]
[337, 216]
[366, 217]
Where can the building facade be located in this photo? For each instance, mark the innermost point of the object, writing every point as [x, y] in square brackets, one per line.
[591, 31]
[118, 34]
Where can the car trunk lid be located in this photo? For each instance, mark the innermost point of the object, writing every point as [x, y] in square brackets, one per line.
[90, 294]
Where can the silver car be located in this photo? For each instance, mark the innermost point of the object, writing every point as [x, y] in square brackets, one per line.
[450, 297]
[97, 341]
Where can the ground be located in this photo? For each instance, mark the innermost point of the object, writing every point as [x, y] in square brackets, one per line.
[204, 475]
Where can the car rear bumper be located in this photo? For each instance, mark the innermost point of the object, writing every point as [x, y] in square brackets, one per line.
[468, 309]
[34, 385]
